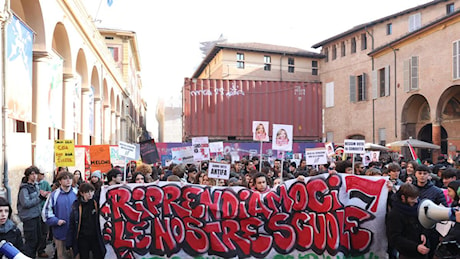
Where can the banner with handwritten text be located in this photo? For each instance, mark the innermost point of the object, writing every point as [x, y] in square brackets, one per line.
[333, 216]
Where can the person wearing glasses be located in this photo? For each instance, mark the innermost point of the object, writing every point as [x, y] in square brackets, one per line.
[359, 168]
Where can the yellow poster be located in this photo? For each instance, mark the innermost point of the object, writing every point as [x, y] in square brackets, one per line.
[64, 153]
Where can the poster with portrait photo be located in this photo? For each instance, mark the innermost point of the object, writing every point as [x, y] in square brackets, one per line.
[260, 131]
[282, 137]
[366, 158]
[329, 149]
[375, 155]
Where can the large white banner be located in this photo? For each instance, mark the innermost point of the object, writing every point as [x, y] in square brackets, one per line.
[324, 216]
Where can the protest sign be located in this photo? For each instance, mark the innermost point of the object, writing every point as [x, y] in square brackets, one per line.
[219, 170]
[260, 131]
[282, 137]
[179, 220]
[182, 155]
[100, 157]
[216, 147]
[127, 150]
[149, 152]
[64, 153]
[354, 146]
[316, 156]
[200, 148]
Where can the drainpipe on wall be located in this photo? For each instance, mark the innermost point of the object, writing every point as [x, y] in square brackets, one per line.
[281, 66]
[396, 115]
[373, 100]
[6, 19]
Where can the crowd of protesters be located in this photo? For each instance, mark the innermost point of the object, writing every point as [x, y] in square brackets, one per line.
[65, 213]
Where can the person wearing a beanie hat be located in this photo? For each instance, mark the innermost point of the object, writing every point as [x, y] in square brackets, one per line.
[453, 192]
[96, 180]
[97, 174]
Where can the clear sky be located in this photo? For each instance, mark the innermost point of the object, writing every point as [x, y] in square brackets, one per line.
[169, 32]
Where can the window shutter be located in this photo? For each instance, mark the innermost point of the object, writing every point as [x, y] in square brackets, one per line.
[364, 86]
[414, 73]
[115, 54]
[374, 85]
[387, 80]
[406, 76]
[330, 94]
[352, 89]
[455, 60]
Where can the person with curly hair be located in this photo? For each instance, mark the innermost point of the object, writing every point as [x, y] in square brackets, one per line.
[146, 170]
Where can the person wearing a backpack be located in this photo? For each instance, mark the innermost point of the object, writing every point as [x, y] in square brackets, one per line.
[28, 205]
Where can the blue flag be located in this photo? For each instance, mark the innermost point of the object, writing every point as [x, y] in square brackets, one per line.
[109, 2]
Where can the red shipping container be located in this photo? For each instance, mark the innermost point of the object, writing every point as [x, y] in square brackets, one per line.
[225, 109]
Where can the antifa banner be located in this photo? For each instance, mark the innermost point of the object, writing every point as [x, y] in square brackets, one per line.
[149, 152]
[327, 216]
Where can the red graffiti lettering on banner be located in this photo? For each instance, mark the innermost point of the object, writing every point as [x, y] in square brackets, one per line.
[230, 223]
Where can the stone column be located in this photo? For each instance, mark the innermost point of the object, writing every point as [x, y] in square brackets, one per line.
[436, 137]
[41, 85]
[85, 117]
[107, 124]
[119, 137]
[67, 105]
[113, 131]
[97, 121]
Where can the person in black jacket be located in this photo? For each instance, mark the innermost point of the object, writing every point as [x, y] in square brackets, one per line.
[429, 191]
[84, 234]
[8, 230]
[405, 233]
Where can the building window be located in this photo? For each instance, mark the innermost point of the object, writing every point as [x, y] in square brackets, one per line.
[411, 74]
[342, 48]
[389, 28]
[334, 52]
[358, 88]
[353, 45]
[382, 136]
[326, 53]
[456, 60]
[330, 94]
[381, 82]
[291, 65]
[240, 60]
[450, 8]
[267, 63]
[314, 67]
[115, 53]
[415, 22]
[329, 136]
[363, 41]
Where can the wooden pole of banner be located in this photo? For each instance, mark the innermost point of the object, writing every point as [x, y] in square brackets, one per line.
[260, 157]
[282, 165]
[124, 174]
[353, 163]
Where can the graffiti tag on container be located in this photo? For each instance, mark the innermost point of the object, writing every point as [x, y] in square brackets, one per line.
[233, 91]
